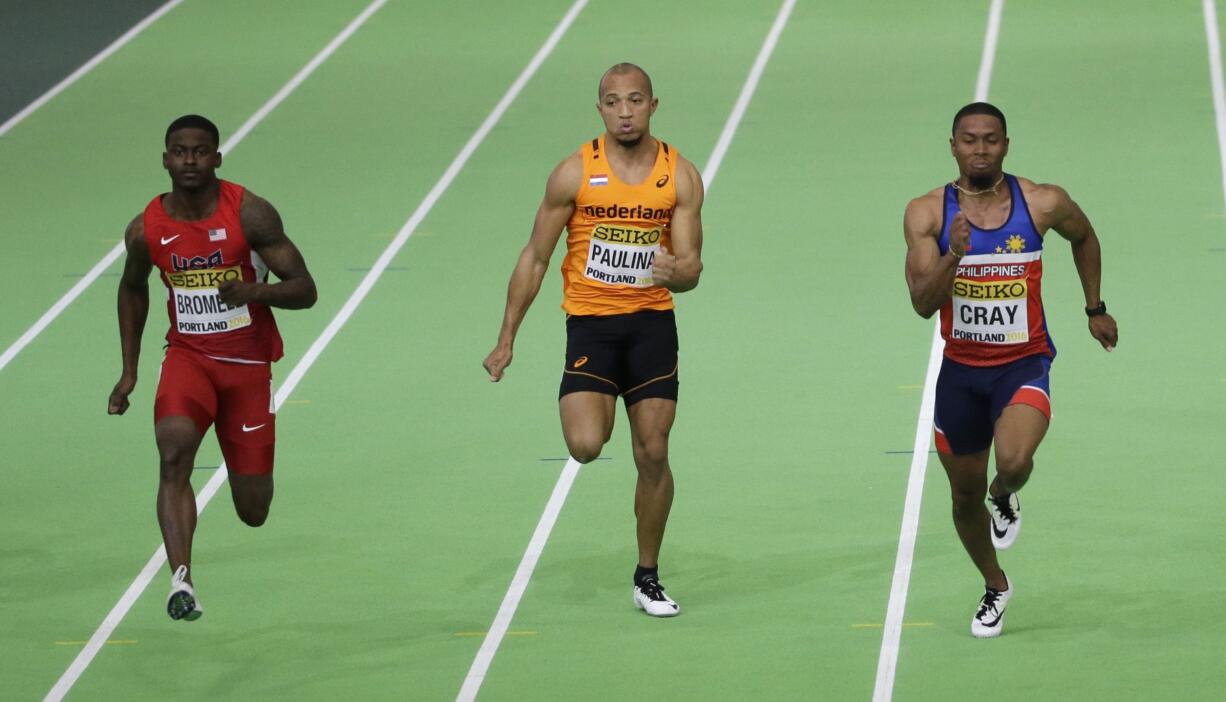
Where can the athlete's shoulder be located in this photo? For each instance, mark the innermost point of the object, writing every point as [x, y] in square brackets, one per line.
[689, 181]
[1041, 191]
[923, 214]
[687, 166]
[260, 220]
[1047, 201]
[135, 229]
[134, 239]
[254, 202]
[564, 179]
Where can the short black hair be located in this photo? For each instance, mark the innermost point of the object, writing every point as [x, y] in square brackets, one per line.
[623, 67]
[980, 108]
[193, 122]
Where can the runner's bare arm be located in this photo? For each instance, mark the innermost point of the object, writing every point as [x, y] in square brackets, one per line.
[930, 276]
[678, 270]
[551, 217]
[266, 235]
[133, 311]
[1058, 210]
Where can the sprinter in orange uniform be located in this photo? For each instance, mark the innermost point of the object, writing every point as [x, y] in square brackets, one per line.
[975, 254]
[632, 209]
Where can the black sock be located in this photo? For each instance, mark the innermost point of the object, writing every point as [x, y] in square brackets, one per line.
[641, 573]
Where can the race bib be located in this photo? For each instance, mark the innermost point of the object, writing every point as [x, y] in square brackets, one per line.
[621, 255]
[198, 306]
[991, 312]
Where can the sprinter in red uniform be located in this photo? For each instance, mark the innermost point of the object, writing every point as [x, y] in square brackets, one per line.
[213, 243]
[975, 253]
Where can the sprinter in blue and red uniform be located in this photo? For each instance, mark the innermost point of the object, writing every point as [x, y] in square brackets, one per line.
[975, 253]
[213, 243]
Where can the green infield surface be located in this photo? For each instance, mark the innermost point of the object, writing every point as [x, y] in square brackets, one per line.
[430, 540]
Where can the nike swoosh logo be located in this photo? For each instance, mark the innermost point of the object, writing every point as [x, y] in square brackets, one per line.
[258, 426]
[166, 241]
[999, 534]
[995, 621]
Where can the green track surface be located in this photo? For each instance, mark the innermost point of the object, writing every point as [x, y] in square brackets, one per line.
[408, 486]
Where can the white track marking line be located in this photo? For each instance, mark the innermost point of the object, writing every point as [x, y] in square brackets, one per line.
[1215, 74]
[887, 662]
[129, 597]
[87, 66]
[988, 60]
[747, 91]
[519, 583]
[99, 268]
[206, 494]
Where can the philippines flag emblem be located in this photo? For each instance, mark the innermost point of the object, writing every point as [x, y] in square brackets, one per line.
[217, 234]
[598, 179]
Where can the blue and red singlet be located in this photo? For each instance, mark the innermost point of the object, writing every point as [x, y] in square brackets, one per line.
[997, 349]
[995, 315]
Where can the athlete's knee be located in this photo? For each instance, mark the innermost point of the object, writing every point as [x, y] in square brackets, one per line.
[1013, 466]
[253, 516]
[175, 462]
[968, 497]
[651, 451]
[584, 449]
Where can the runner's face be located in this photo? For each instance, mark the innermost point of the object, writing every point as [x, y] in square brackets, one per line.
[979, 145]
[626, 106]
[191, 158]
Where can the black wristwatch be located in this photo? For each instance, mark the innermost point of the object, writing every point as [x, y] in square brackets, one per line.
[1096, 311]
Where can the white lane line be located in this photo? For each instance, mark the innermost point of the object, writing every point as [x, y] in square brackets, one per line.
[887, 661]
[206, 494]
[519, 583]
[988, 60]
[747, 91]
[73, 293]
[87, 66]
[99, 268]
[129, 597]
[1215, 74]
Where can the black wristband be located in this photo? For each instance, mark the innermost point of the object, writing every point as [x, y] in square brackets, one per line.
[1096, 311]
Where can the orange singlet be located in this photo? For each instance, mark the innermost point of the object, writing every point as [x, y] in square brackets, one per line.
[614, 234]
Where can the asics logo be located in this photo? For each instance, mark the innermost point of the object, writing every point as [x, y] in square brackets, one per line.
[166, 241]
[662, 181]
[258, 426]
[580, 361]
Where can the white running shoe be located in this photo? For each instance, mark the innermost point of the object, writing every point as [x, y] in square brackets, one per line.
[649, 596]
[989, 619]
[182, 602]
[1006, 514]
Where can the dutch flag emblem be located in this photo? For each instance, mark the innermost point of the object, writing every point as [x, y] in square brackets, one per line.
[598, 179]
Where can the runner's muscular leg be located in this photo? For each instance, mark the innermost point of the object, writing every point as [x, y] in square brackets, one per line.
[252, 496]
[587, 423]
[968, 486]
[1018, 432]
[177, 441]
[651, 419]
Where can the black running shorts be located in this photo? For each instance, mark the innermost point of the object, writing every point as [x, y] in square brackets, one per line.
[632, 355]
